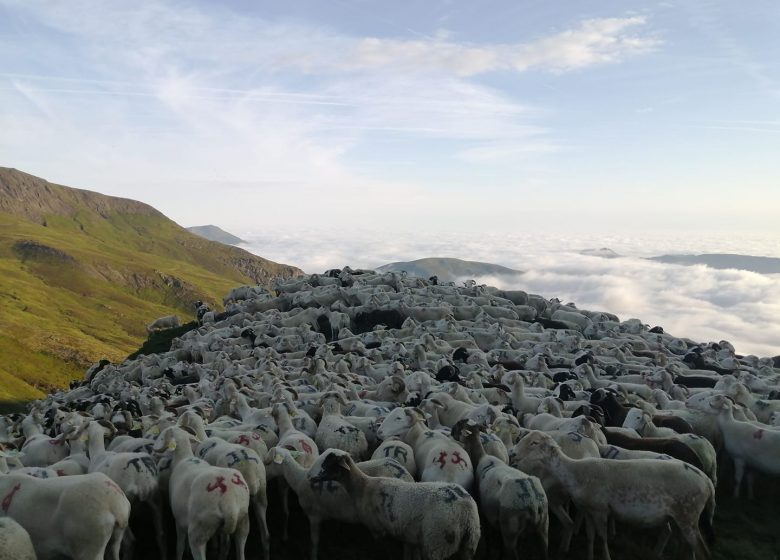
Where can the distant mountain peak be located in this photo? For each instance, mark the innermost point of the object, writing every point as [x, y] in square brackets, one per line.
[448, 269]
[603, 252]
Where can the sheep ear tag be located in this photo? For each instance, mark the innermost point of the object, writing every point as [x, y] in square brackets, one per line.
[172, 445]
[84, 437]
[155, 430]
[136, 425]
[279, 459]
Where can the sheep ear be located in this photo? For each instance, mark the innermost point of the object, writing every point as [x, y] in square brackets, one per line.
[344, 462]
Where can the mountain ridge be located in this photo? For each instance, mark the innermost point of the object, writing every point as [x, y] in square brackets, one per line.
[82, 273]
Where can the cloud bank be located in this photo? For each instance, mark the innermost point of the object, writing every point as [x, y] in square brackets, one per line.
[690, 301]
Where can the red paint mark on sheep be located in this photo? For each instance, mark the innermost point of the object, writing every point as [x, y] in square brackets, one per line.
[759, 434]
[61, 472]
[111, 484]
[243, 440]
[306, 447]
[218, 484]
[56, 441]
[238, 480]
[6, 504]
[442, 460]
[460, 460]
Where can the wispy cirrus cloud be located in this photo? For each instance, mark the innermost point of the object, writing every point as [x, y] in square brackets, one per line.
[592, 41]
[167, 98]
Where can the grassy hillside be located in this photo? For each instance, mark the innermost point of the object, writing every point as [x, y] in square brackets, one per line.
[81, 274]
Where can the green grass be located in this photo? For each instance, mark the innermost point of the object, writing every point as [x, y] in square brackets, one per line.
[83, 286]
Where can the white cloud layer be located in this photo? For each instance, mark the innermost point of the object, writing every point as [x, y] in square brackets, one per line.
[696, 302]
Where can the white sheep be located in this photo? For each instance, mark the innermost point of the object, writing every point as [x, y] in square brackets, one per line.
[336, 431]
[135, 473]
[637, 492]
[15, 543]
[438, 457]
[749, 445]
[220, 453]
[394, 448]
[511, 500]
[206, 501]
[325, 500]
[167, 322]
[437, 520]
[74, 516]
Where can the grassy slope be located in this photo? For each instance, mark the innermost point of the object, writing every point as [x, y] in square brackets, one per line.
[100, 278]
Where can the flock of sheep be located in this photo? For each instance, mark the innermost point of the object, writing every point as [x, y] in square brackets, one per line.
[429, 413]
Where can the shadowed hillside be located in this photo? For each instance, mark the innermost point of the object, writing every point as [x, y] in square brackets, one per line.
[81, 273]
[215, 233]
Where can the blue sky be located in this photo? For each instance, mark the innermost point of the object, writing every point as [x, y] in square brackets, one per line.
[512, 115]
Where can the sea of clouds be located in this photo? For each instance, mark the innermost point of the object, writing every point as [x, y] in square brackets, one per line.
[697, 302]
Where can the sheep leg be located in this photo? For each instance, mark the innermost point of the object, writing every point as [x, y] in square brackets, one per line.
[663, 538]
[739, 472]
[543, 528]
[197, 544]
[157, 519]
[115, 545]
[128, 543]
[260, 513]
[590, 531]
[223, 544]
[751, 476]
[600, 520]
[181, 542]
[510, 545]
[560, 513]
[694, 539]
[314, 537]
[239, 538]
[281, 484]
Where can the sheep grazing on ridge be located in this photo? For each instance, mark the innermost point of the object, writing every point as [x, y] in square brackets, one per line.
[264, 366]
[436, 520]
[167, 322]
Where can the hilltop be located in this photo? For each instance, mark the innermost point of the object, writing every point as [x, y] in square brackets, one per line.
[448, 269]
[82, 273]
[215, 233]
